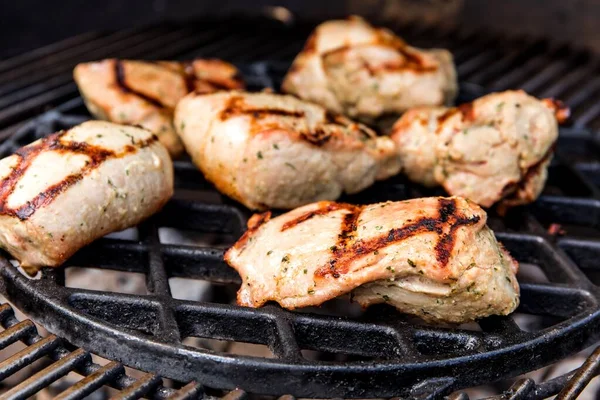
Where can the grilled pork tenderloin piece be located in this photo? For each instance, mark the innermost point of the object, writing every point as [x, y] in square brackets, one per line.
[275, 151]
[66, 190]
[495, 149]
[145, 93]
[431, 257]
[351, 67]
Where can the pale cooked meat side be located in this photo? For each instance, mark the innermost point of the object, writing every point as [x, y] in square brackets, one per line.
[431, 257]
[276, 151]
[72, 187]
[145, 93]
[351, 67]
[495, 149]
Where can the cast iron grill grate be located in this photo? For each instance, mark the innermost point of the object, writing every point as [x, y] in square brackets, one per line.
[145, 331]
[67, 359]
[378, 353]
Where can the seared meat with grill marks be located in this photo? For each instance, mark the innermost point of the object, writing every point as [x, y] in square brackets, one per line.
[496, 149]
[365, 72]
[432, 257]
[145, 93]
[72, 187]
[275, 151]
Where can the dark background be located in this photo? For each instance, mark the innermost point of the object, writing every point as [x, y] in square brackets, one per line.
[27, 24]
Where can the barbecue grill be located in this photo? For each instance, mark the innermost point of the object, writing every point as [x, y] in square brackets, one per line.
[375, 353]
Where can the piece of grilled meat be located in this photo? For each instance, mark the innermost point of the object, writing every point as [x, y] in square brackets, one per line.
[495, 149]
[145, 93]
[72, 187]
[351, 67]
[432, 257]
[276, 151]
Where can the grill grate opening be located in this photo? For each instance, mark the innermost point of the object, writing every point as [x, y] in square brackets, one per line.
[230, 346]
[192, 289]
[531, 273]
[535, 323]
[105, 281]
[130, 234]
[189, 237]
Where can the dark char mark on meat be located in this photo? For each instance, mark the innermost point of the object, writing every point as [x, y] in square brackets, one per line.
[236, 106]
[122, 82]
[346, 250]
[255, 222]
[325, 208]
[97, 155]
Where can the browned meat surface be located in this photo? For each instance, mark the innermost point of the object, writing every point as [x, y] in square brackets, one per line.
[145, 93]
[276, 151]
[432, 257]
[353, 68]
[496, 149]
[66, 190]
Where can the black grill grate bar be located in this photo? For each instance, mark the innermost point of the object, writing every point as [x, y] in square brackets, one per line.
[158, 284]
[236, 394]
[168, 42]
[62, 62]
[19, 91]
[28, 355]
[471, 49]
[582, 377]
[6, 313]
[285, 345]
[444, 36]
[266, 50]
[571, 82]
[590, 89]
[48, 375]
[508, 61]
[576, 174]
[92, 382]
[552, 72]
[219, 47]
[553, 299]
[230, 46]
[461, 39]
[139, 388]
[158, 281]
[472, 46]
[539, 299]
[16, 332]
[406, 347]
[537, 250]
[51, 49]
[503, 326]
[551, 387]
[475, 63]
[170, 48]
[521, 389]
[27, 108]
[585, 117]
[512, 78]
[427, 35]
[190, 391]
